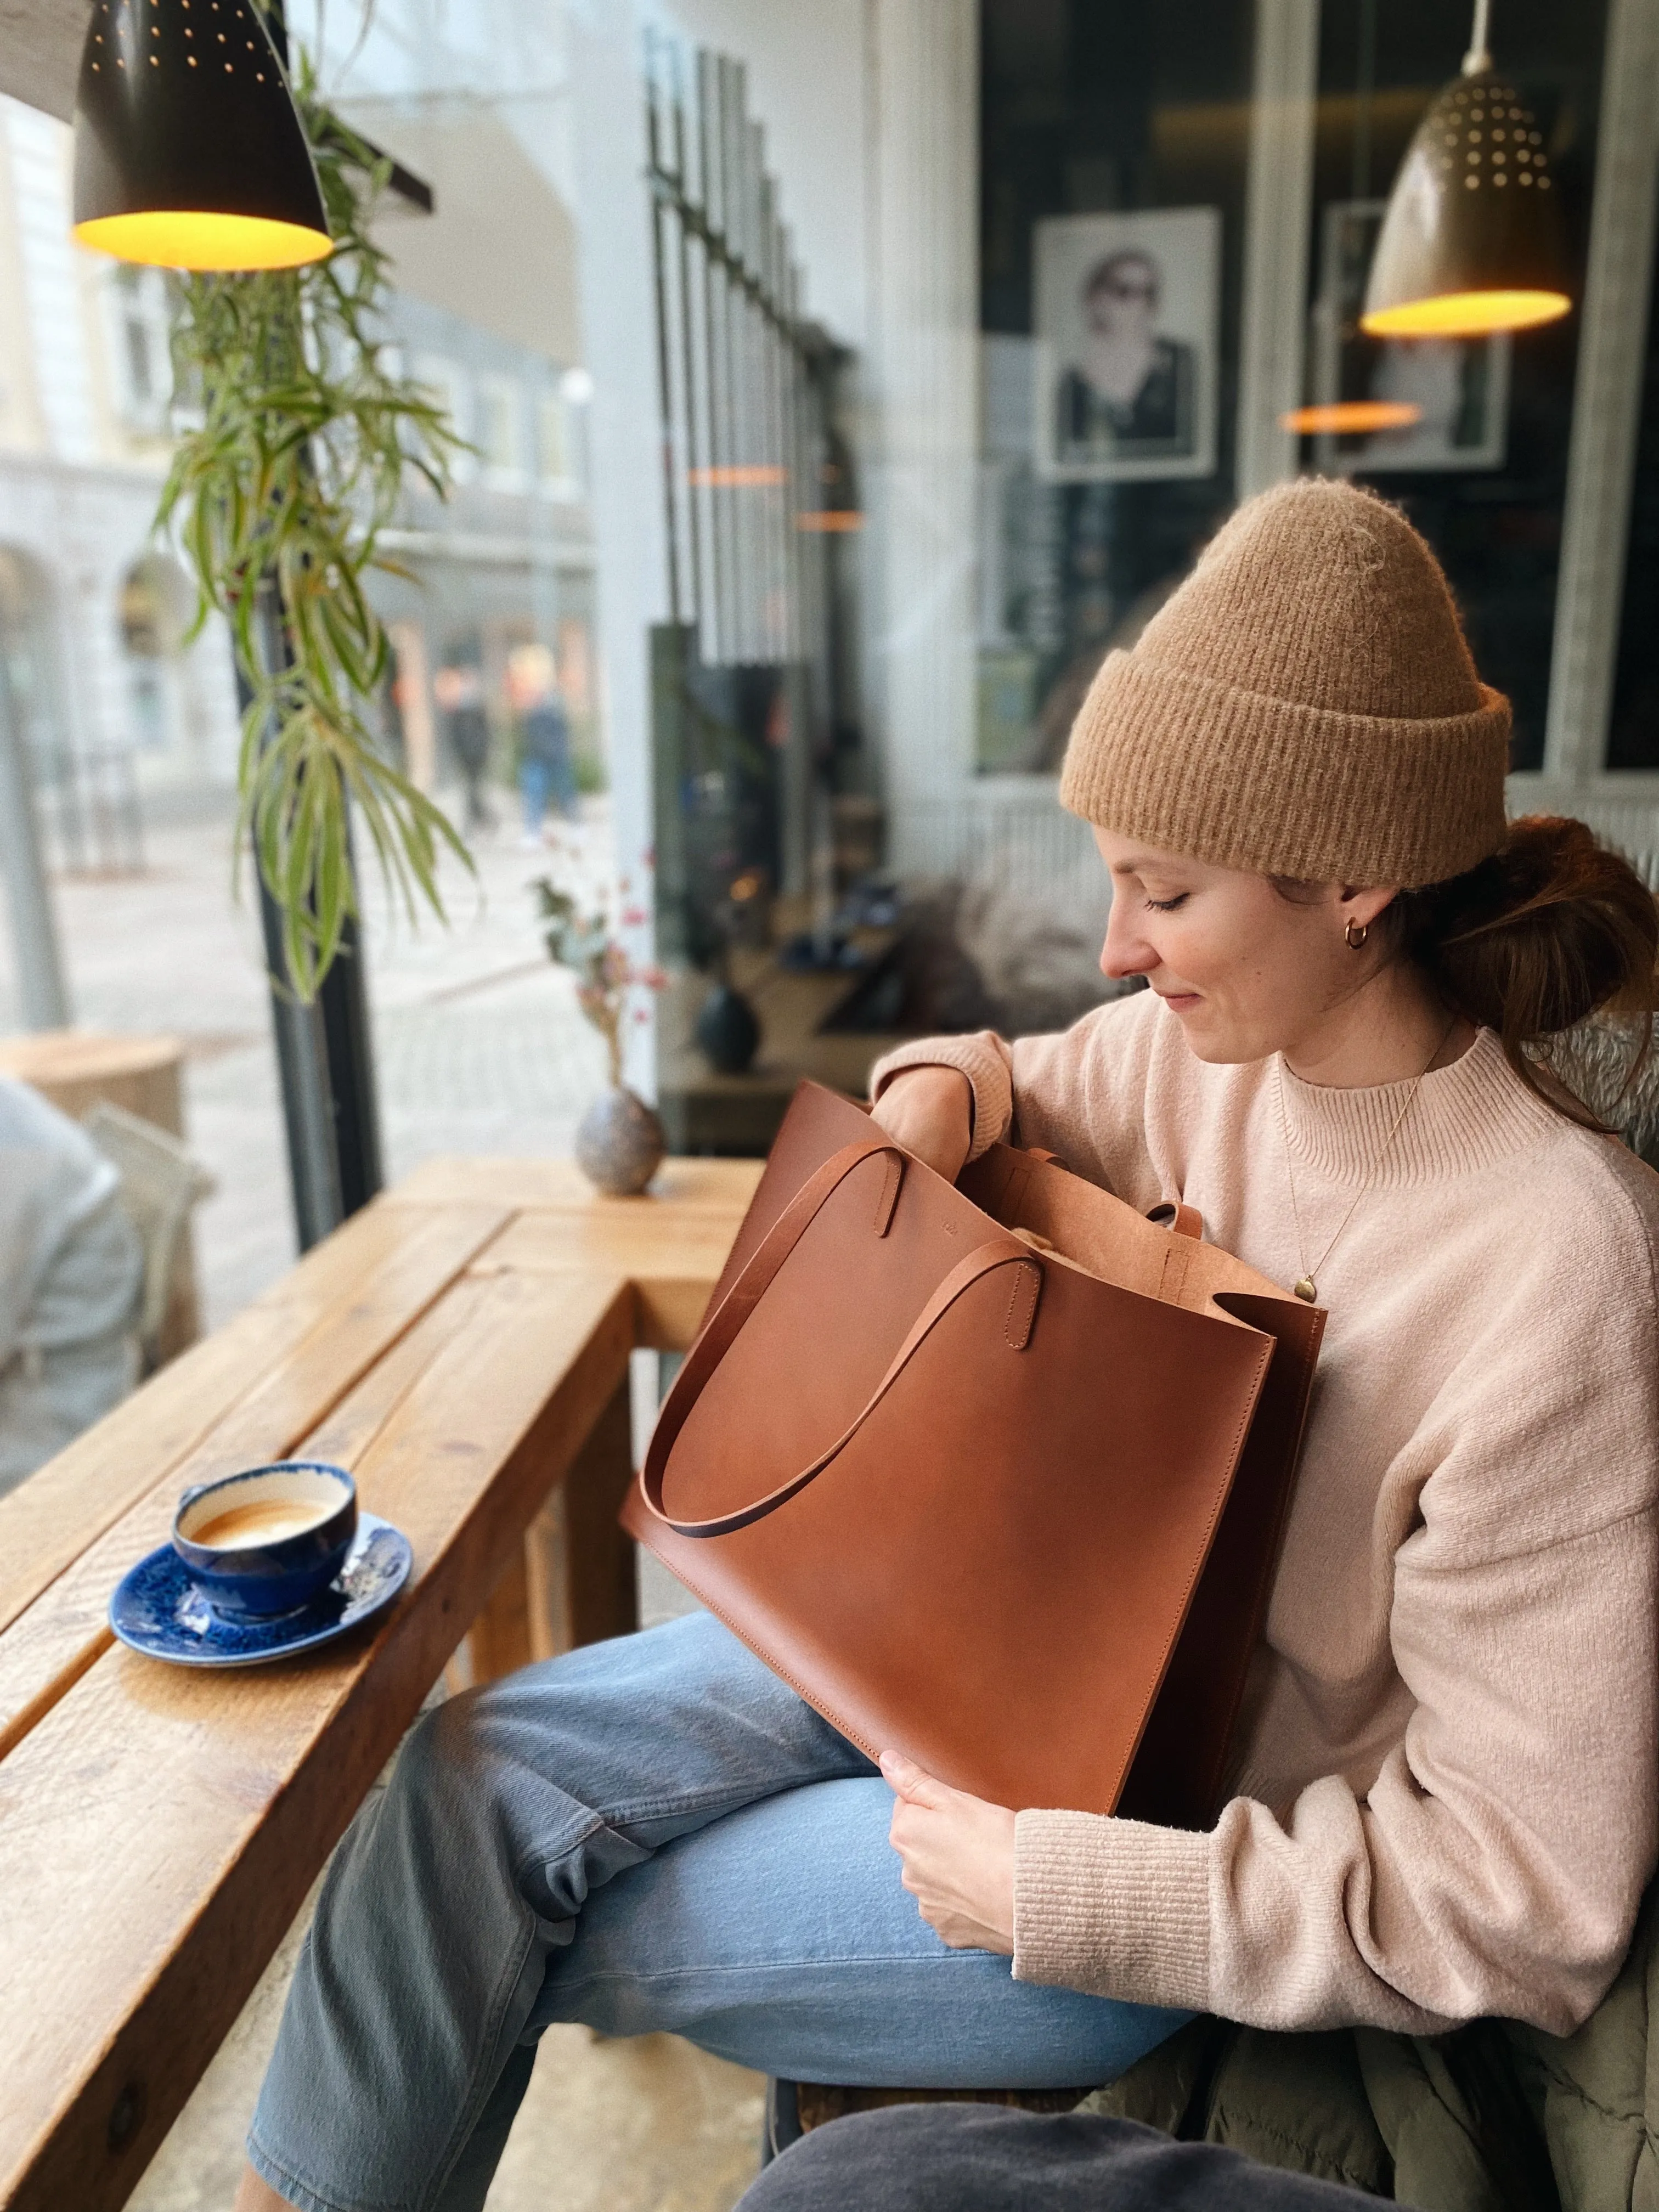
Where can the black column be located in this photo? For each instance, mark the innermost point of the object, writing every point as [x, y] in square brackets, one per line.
[325, 1056]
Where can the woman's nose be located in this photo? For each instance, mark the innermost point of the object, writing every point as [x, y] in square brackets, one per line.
[1125, 952]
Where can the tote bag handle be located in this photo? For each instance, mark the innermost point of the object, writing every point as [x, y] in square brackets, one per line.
[729, 1318]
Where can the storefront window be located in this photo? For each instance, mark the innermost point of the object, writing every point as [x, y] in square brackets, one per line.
[1482, 471]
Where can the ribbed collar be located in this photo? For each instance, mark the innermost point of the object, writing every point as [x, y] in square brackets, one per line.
[1468, 1116]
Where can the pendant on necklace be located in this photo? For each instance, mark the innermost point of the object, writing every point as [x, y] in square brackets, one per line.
[1305, 1289]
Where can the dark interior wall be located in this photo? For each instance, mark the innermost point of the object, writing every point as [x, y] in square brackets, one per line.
[1633, 739]
[1098, 105]
[1497, 529]
[1105, 105]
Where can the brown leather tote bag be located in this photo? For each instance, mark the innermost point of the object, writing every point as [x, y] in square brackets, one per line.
[992, 1474]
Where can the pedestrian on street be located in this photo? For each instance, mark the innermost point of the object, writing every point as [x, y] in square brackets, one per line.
[545, 765]
[460, 694]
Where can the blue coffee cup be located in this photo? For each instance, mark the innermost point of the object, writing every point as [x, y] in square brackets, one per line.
[265, 1542]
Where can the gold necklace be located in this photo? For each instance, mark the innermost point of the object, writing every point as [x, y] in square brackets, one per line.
[1304, 1286]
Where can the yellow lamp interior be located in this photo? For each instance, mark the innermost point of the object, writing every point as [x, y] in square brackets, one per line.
[188, 237]
[1340, 417]
[1465, 314]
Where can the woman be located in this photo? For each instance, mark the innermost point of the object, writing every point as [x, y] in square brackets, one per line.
[1444, 1769]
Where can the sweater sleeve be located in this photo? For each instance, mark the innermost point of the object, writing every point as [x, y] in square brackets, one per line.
[1080, 1093]
[1494, 1864]
[983, 1057]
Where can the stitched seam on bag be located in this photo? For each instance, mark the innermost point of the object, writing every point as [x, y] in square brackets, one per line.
[1017, 1343]
[887, 1202]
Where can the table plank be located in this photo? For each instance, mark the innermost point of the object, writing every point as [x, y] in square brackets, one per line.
[165, 1826]
[673, 1260]
[74, 1068]
[680, 1187]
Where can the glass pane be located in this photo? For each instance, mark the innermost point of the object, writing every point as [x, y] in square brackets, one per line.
[1114, 143]
[1633, 737]
[1482, 468]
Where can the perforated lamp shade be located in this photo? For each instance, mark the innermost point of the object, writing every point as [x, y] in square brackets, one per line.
[189, 151]
[1472, 240]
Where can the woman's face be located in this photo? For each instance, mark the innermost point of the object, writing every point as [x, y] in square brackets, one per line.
[1124, 301]
[1245, 970]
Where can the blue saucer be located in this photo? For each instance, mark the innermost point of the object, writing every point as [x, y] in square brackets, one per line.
[159, 1611]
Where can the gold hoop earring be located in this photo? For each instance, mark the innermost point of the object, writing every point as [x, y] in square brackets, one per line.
[1356, 934]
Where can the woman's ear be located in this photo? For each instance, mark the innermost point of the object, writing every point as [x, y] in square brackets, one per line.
[1361, 904]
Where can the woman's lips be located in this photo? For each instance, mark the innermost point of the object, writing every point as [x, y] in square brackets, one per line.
[1180, 1002]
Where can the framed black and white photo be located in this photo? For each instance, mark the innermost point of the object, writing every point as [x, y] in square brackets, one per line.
[1125, 317]
[1390, 406]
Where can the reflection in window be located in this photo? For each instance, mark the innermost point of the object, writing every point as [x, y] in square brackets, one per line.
[448, 383]
[1115, 153]
[552, 441]
[1633, 737]
[155, 613]
[139, 315]
[1482, 468]
[498, 434]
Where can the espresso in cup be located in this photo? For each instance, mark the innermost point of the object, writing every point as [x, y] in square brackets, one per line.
[260, 1521]
[268, 1541]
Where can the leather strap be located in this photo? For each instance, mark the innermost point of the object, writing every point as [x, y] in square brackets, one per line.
[1179, 1219]
[728, 1319]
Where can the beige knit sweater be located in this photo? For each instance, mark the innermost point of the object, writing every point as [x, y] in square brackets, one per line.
[1445, 1775]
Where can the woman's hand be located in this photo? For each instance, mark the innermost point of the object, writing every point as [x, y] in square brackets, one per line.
[930, 1110]
[958, 1855]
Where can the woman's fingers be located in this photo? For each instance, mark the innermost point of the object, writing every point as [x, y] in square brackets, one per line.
[957, 1855]
[912, 1783]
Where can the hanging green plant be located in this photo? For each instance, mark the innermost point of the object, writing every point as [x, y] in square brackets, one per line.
[305, 443]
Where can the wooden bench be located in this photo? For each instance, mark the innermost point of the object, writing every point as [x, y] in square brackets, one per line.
[463, 1345]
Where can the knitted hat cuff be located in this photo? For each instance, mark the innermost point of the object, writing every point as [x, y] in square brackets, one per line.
[1242, 780]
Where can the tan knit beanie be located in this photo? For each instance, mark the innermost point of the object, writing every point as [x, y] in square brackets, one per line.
[1304, 705]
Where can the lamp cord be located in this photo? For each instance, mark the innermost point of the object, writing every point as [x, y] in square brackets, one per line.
[1477, 60]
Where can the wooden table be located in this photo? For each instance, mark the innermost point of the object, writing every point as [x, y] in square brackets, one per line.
[74, 1068]
[462, 1345]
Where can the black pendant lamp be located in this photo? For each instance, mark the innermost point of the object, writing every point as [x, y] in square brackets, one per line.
[1472, 240]
[189, 151]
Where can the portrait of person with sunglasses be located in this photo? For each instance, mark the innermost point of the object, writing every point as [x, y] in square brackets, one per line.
[1132, 392]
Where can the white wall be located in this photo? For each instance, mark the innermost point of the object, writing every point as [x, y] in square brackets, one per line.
[807, 85]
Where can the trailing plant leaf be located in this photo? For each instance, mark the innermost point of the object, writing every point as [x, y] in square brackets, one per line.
[305, 444]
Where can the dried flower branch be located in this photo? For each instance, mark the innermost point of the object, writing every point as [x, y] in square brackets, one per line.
[582, 941]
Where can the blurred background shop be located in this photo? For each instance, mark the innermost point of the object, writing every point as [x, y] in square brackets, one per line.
[839, 382]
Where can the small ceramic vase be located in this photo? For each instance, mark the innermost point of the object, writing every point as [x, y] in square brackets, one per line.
[727, 1032]
[619, 1143]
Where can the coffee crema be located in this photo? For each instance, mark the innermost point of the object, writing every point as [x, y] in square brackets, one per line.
[262, 1521]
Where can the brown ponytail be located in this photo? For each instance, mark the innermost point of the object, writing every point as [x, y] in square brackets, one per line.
[1548, 930]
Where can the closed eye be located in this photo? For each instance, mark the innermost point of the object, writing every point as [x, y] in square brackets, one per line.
[1169, 905]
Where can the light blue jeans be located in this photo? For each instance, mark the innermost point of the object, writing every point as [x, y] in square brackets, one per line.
[652, 1833]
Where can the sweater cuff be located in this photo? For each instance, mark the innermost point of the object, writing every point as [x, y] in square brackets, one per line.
[977, 1059]
[1117, 1908]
